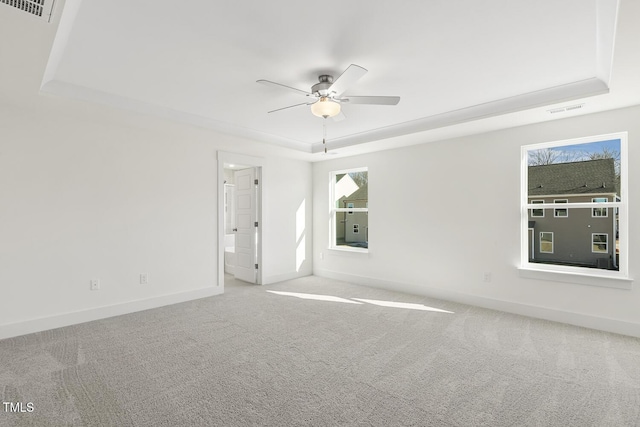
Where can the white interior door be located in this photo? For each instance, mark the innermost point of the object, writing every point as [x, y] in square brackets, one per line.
[246, 251]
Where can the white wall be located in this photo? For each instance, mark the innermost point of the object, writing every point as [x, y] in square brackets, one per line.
[287, 231]
[90, 192]
[444, 213]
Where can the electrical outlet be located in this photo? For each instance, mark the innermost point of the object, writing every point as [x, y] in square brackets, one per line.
[487, 277]
[144, 279]
[321, 255]
[95, 284]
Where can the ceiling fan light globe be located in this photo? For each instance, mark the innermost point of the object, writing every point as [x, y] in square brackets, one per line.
[325, 107]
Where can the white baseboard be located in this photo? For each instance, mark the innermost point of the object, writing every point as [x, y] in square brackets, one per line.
[73, 318]
[576, 319]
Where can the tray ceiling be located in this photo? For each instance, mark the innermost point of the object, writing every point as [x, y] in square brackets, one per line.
[450, 62]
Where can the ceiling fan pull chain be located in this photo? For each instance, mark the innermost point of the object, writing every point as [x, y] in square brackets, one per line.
[324, 133]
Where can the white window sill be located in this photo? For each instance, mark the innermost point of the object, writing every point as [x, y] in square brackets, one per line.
[349, 249]
[581, 276]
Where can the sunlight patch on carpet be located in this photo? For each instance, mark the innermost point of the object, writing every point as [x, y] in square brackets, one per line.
[393, 304]
[315, 297]
[407, 305]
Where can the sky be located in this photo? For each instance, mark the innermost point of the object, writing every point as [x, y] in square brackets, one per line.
[578, 152]
[612, 144]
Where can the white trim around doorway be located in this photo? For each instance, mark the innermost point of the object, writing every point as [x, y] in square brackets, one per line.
[242, 159]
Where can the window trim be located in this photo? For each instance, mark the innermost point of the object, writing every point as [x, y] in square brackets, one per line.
[534, 202]
[606, 243]
[552, 242]
[606, 210]
[333, 211]
[578, 275]
[555, 210]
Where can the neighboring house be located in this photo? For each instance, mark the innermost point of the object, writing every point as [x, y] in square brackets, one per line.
[582, 237]
[356, 224]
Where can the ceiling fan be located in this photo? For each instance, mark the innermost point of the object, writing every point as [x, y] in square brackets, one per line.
[326, 96]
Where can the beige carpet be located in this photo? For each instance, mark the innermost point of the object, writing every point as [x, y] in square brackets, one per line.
[338, 357]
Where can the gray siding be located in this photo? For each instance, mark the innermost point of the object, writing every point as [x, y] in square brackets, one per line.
[572, 235]
[356, 224]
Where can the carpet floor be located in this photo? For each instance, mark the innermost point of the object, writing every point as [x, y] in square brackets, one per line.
[319, 352]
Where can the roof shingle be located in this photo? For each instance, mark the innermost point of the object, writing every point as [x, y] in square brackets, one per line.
[586, 177]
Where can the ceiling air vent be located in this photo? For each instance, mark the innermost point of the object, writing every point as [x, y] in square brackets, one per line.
[565, 109]
[38, 8]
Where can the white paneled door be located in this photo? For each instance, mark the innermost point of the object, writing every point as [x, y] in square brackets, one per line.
[246, 250]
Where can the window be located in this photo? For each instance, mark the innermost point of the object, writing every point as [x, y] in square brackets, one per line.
[537, 213]
[599, 243]
[546, 242]
[599, 212]
[560, 213]
[350, 210]
[587, 235]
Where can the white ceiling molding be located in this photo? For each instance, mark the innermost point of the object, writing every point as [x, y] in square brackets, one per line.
[607, 19]
[451, 63]
[568, 92]
[65, 26]
[68, 90]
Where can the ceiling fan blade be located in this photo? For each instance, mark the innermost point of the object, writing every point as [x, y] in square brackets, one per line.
[339, 117]
[274, 84]
[290, 106]
[352, 74]
[373, 100]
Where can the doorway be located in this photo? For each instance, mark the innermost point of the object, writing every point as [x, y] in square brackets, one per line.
[239, 219]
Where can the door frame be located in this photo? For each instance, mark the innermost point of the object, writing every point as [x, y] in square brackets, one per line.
[252, 161]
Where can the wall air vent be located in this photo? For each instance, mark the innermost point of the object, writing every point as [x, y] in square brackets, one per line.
[565, 109]
[42, 9]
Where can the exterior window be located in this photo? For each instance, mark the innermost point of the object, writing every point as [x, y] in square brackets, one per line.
[546, 242]
[599, 243]
[560, 213]
[599, 212]
[350, 210]
[537, 213]
[588, 178]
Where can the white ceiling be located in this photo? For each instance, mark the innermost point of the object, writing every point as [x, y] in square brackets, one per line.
[459, 66]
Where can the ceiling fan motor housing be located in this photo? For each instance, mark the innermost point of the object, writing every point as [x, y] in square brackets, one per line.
[325, 83]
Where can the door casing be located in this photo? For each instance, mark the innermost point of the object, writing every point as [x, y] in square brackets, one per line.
[223, 158]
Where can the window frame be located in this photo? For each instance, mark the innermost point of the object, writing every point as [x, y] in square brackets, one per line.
[333, 212]
[556, 210]
[606, 243]
[552, 242]
[573, 274]
[537, 202]
[606, 210]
